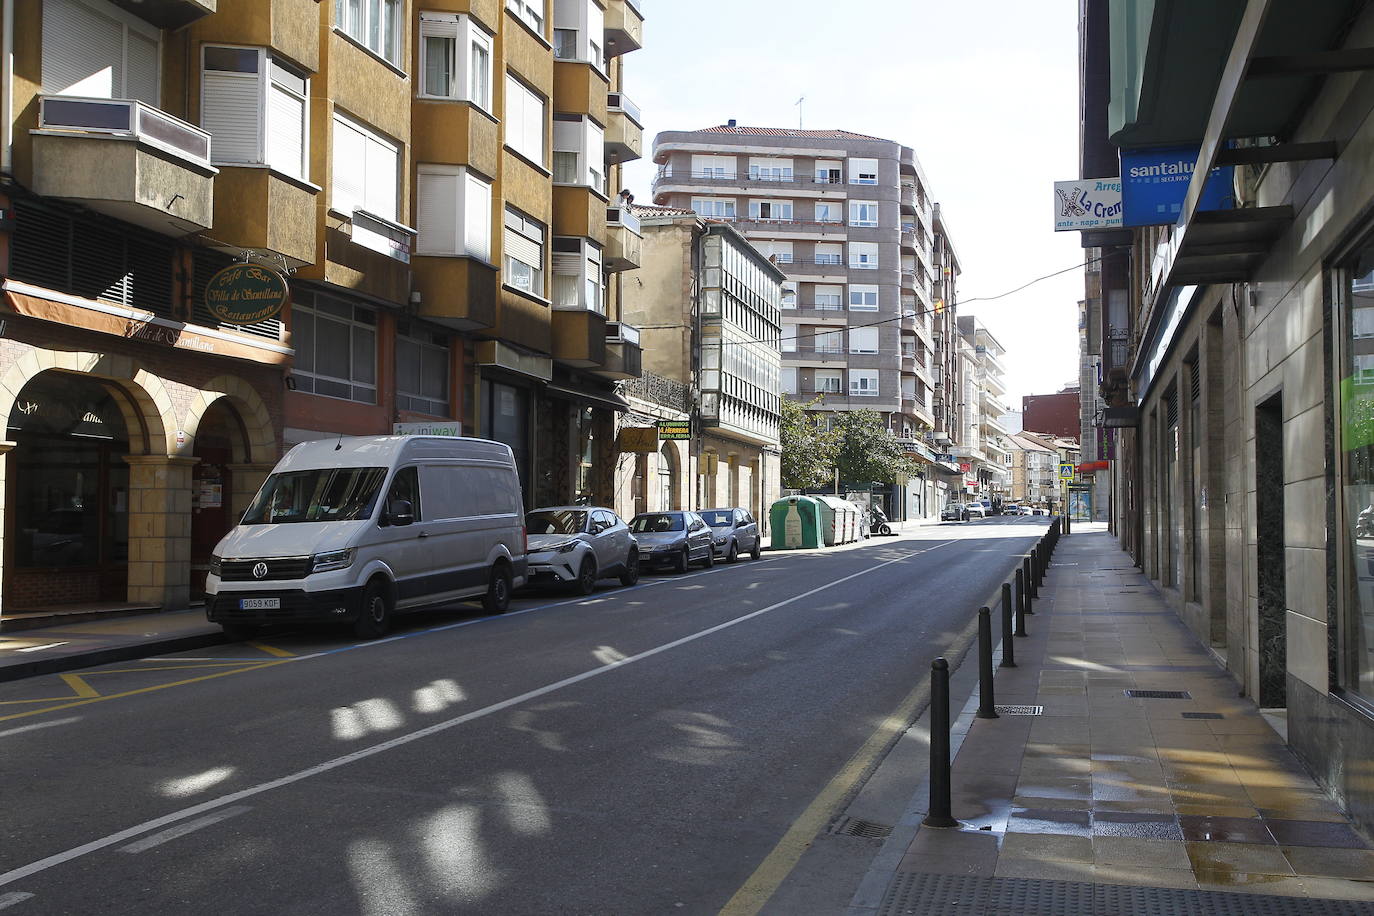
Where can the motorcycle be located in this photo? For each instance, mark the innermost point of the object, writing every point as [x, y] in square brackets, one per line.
[877, 523]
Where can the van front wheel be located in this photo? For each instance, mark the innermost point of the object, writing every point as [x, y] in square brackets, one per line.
[375, 618]
[497, 598]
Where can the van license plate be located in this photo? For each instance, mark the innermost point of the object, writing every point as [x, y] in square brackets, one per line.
[259, 604]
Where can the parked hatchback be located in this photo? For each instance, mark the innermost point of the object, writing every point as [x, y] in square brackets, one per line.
[734, 532]
[576, 545]
[954, 512]
[674, 539]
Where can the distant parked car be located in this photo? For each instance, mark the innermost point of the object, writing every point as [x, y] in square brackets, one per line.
[734, 532]
[977, 510]
[673, 538]
[954, 512]
[576, 545]
[1013, 509]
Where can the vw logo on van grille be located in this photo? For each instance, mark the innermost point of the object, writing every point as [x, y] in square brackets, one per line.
[259, 570]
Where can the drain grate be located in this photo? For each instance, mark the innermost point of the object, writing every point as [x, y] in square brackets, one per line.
[1203, 715]
[856, 826]
[1019, 710]
[1159, 694]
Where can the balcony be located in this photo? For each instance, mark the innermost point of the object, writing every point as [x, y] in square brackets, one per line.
[459, 293]
[909, 280]
[909, 236]
[579, 210]
[579, 338]
[907, 198]
[170, 14]
[623, 354]
[624, 129]
[624, 241]
[624, 24]
[127, 160]
[579, 88]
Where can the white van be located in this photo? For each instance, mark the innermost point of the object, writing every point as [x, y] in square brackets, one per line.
[357, 528]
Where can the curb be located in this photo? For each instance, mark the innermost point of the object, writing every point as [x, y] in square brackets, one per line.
[105, 656]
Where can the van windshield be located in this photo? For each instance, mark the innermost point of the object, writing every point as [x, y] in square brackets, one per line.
[321, 495]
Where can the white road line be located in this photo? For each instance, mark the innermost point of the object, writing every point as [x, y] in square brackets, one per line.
[114, 839]
[172, 833]
[13, 897]
[28, 728]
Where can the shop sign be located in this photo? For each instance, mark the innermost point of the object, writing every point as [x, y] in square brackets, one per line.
[1091, 203]
[246, 294]
[446, 428]
[1154, 183]
[639, 440]
[965, 466]
[674, 429]
[1106, 443]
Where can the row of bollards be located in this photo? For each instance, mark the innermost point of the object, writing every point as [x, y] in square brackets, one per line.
[1017, 596]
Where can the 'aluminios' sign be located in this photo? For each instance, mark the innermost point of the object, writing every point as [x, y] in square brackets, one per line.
[245, 294]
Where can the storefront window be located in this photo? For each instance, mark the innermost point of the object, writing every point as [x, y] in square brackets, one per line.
[71, 502]
[586, 444]
[1357, 468]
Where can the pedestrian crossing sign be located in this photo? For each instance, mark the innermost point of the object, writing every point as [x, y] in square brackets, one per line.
[1066, 472]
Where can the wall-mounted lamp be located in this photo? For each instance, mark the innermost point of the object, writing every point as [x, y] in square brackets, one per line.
[290, 383]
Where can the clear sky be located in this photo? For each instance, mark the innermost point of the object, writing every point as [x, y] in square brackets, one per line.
[985, 92]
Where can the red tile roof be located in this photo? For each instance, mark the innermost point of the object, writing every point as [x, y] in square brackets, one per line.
[788, 132]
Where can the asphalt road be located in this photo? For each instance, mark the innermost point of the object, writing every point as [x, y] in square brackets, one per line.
[645, 750]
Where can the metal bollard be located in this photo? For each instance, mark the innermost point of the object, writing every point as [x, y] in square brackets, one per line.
[1022, 600]
[987, 704]
[1008, 647]
[939, 814]
[1066, 524]
[1028, 583]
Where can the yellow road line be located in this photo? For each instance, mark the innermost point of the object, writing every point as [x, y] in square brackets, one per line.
[770, 874]
[272, 650]
[129, 693]
[79, 685]
[196, 667]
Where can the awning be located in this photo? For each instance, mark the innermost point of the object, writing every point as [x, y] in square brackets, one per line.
[608, 400]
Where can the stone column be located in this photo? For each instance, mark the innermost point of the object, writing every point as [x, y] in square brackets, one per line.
[160, 529]
[244, 481]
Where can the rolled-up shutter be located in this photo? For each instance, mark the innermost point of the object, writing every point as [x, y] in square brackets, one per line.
[436, 203]
[231, 105]
[83, 51]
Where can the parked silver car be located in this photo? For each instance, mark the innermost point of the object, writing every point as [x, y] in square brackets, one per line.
[673, 539]
[576, 545]
[734, 532]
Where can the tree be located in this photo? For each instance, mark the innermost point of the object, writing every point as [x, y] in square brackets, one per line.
[866, 452]
[808, 451]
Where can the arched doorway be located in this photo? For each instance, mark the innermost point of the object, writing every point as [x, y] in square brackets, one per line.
[219, 446]
[67, 526]
[667, 478]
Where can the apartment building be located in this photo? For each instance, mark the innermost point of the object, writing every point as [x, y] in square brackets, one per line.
[421, 199]
[1235, 341]
[983, 451]
[709, 315]
[849, 220]
[1034, 464]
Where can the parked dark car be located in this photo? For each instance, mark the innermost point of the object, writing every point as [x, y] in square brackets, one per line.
[673, 539]
[954, 512]
[734, 532]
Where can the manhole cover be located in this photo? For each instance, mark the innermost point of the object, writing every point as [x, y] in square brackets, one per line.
[1019, 710]
[1203, 715]
[1159, 694]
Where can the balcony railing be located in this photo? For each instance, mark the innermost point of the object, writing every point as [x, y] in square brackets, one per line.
[709, 176]
[621, 216]
[125, 118]
[620, 332]
[617, 101]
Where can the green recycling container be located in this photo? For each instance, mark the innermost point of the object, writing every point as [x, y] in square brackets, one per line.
[795, 523]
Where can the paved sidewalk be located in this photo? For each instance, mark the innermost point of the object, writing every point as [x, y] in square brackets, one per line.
[1110, 803]
[67, 647]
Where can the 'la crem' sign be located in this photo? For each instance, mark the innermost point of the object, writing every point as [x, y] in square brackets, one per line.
[1090, 203]
[245, 294]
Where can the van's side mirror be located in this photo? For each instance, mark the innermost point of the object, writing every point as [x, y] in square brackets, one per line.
[400, 512]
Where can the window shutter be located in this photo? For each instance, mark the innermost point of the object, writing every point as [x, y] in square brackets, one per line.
[83, 51]
[477, 218]
[382, 181]
[286, 132]
[230, 111]
[436, 201]
[523, 249]
[141, 80]
[348, 168]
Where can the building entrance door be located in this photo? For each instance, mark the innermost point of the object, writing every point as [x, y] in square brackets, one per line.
[67, 528]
